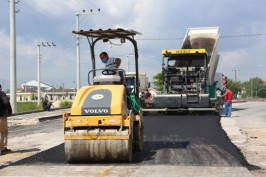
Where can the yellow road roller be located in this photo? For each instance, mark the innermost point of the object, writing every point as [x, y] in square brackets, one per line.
[105, 123]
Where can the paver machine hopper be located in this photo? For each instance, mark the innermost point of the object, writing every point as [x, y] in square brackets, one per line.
[105, 123]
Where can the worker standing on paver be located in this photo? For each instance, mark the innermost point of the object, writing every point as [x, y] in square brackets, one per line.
[228, 96]
[5, 111]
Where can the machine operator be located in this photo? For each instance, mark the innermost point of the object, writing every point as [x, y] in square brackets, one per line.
[110, 63]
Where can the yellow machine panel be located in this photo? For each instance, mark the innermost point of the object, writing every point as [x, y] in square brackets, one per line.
[183, 51]
[100, 100]
[100, 123]
[80, 121]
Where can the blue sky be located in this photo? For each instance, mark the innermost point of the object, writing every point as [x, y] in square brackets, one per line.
[241, 46]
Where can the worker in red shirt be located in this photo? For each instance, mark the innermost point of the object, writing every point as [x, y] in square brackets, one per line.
[228, 96]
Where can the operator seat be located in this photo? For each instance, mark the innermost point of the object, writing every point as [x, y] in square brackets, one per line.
[107, 80]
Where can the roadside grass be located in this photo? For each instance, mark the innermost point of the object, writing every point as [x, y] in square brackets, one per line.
[28, 106]
[65, 104]
[33, 106]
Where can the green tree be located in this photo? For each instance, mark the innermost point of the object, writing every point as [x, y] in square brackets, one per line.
[262, 92]
[255, 88]
[158, 81]
[235, 87]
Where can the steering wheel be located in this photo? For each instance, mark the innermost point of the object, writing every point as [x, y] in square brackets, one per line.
[108, 72]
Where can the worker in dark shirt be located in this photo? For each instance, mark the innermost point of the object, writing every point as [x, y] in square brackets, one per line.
[47, 104]
[5, 111]
[147, 95]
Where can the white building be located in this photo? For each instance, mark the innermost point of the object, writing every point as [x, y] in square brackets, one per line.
[33, 85]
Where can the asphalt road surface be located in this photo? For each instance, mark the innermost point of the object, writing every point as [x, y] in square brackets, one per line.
[190, 145]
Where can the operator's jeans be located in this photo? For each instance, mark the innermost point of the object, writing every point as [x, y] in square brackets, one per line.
[227, 109]
[3, 132]
[47, 107]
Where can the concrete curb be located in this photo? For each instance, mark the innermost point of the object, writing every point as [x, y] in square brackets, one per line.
[239, 101]
[35, 117]
[57, 116]
[38, 111]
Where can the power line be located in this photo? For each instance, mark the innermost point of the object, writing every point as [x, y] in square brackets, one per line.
[243, 35]
[180, 38]
[159, 39]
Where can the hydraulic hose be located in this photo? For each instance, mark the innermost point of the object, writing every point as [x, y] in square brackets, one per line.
[135, 104]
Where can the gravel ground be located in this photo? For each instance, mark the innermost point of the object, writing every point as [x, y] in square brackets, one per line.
[250, 118]
[254, 149]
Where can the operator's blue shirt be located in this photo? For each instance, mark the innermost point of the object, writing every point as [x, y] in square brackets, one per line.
[110, 64]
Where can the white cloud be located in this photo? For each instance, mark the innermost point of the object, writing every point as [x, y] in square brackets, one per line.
[117, 10]
[51, 7]
[4, 40]
[244, 61]
[233, 59]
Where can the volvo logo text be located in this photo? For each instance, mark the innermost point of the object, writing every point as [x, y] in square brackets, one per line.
[96, 111]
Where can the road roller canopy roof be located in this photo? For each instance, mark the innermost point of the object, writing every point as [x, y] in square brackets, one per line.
[107, 34]
[94, 36]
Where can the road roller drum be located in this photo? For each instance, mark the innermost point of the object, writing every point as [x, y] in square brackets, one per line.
[98, 150]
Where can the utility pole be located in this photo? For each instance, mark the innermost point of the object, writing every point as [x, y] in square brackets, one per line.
[128, 61]
[251, 83]
[256, 90]
[63, 84]
[38, 67]
[13, 66]
[53, 91]
[38, 74]
[74, 87]
[235, 74]
[78, 42]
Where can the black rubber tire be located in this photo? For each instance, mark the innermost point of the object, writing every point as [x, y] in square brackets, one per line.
[138, 137]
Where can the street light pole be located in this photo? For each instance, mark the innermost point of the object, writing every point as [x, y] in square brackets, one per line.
[74, 87]
[13, 66]
[128, 61]
[38, 75]
[38, 68]
[78, 52]
[78, 43]
[25, 89]
[235, 74]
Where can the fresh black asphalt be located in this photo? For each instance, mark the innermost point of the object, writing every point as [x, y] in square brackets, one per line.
[187, 140]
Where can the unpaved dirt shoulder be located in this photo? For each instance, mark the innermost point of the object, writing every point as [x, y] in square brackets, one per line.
[254, 149]
[247, 130]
